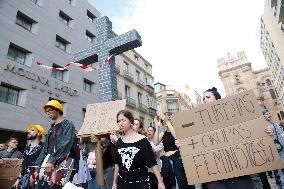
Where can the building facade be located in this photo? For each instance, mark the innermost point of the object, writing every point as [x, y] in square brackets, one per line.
[135, 83]
[272, 42]
[49, 31]
[175, 98]
[237, 76]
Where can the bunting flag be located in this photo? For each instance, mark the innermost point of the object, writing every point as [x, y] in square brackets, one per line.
[82, 66]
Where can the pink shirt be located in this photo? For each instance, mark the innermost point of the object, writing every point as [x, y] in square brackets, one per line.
[91, 157]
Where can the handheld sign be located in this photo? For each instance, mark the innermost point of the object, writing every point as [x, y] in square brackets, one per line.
[100, 118]
[225, 139]
[10, 168]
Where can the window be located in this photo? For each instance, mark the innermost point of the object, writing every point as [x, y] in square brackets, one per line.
[237, 79]
[61, 43]
[24, 21]
[64, 18]
[58, 74]
[282, 115]
[137, 75]
[84, 113]
[127, 92]
[16, 54]
[91, 16]
[136, 57]
[268, 82]
[89, 36]
[140, 98]
[126, 67]
[88, 86]
[9, 95]
[272, 93]
[172, 106]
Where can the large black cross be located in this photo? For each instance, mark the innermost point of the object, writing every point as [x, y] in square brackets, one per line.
[107, 44]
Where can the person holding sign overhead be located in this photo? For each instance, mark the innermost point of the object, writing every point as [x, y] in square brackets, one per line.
[133, 157]
[243, 182]
[172, 166]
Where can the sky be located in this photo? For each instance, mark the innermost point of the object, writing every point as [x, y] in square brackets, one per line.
[183, 39]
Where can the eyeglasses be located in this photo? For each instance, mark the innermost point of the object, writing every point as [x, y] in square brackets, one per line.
[49, 110]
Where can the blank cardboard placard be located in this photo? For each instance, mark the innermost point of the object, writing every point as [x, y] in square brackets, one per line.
[225, 139]
[100, 118]
[10, 168]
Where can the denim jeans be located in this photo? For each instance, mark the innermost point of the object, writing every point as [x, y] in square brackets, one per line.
[92, 184]
[108, 174]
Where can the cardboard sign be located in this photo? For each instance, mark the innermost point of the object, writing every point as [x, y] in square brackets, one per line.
[100, 118]
[225, 139]
[10, 168]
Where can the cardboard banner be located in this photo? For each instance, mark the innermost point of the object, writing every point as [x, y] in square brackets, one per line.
[100, 118]
[225, 139]
[10, 168]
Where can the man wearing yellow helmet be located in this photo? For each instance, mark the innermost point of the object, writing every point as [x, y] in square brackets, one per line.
[34, 146]
[60, 142]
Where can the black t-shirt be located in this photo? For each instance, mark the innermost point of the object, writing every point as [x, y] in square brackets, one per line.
[108, 156]
[169, 142]
[134, 159]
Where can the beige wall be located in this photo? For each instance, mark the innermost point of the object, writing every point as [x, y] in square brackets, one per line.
[148, 108]
[272, 42]
[182, 100]
[258, 81]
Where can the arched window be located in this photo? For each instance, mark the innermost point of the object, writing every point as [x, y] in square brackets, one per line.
[268, 82]
[237, 79]
[272, 93]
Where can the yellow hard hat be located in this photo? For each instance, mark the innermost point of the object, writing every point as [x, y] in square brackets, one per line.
[55, 104]
[38, 127]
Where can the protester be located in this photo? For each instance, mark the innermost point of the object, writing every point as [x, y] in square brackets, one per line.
[172, 167]
[108, 162]
[3, 146]
[138, 126]
[243, 182]
[133, 157]
[82, 177]
[276, 132]
[11, 151]
[34, 146]
[60, 141]
[91, 161]
[157, 149]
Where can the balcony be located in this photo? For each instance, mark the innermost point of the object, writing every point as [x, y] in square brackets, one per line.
[128, 75]
[150, 88]
[117, 69]
[130, 102]
[142, 107]
[152, 112]
[140, 83]
[173, 110]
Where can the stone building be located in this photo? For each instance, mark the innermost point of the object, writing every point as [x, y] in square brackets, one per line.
[272, 42]
[175, 98]
[135, 83]
[237, 76]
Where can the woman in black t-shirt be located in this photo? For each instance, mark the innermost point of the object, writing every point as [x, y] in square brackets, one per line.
[133, 157]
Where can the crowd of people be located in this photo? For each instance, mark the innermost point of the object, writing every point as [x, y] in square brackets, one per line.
[134, 158]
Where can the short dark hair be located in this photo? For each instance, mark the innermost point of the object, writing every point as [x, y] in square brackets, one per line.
[154, 128]
[215, 92]
[127, 114]
[10, 139]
